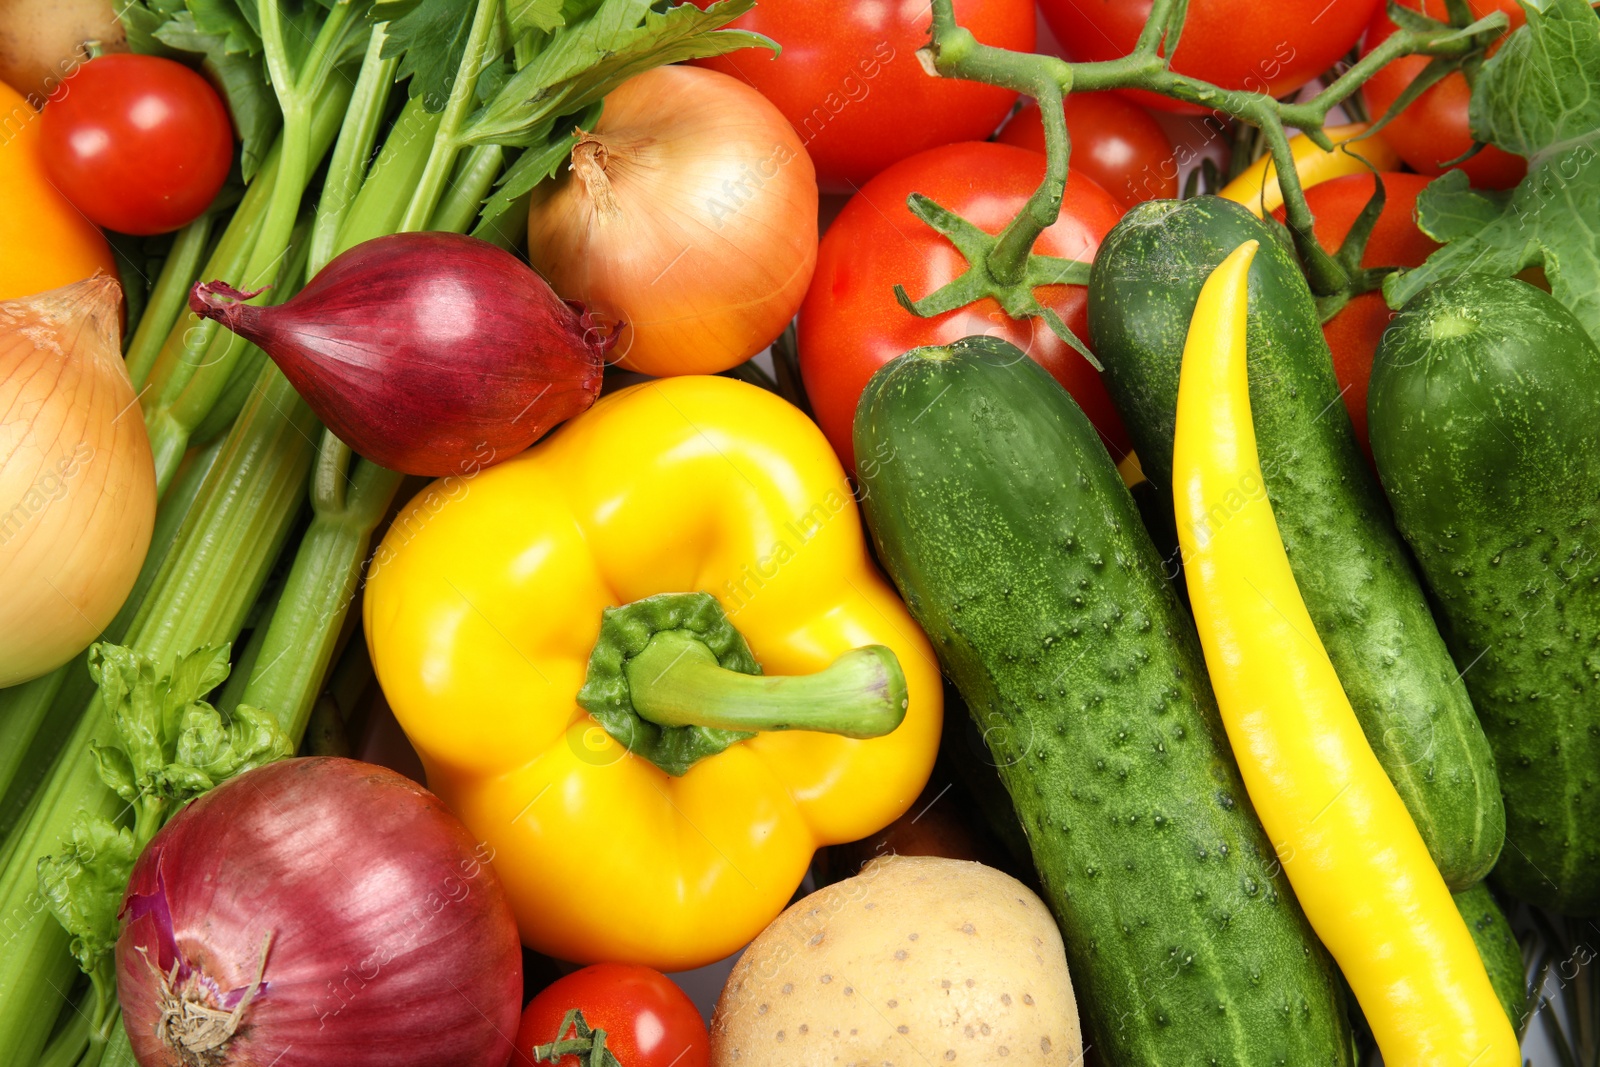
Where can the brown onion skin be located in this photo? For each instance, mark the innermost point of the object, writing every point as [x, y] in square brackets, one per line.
[699, 235]
[344, 863]
[428, 353]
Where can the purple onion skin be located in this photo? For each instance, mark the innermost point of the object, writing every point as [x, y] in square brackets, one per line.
[428, 353]
[392, 942]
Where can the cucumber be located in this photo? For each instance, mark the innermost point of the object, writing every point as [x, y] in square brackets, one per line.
[1000, 517]
[1484, 407]
[1353, 571]
[1497, 945]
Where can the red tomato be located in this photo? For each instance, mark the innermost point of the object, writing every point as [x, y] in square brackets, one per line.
[1353, 334]
[1272, 46]
[850, 324]
[1114, 142]
[649, 1021]
[849, 80]
[138, 143]
[1433, 130]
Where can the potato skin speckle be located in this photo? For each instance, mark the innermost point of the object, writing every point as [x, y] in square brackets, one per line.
[965, 996]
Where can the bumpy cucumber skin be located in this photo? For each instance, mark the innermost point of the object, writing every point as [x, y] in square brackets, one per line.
[1484, 406]
[1353, 571]
[1005, 525]
[1497, 945]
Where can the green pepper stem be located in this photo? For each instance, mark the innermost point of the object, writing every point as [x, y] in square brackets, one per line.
[676, 681]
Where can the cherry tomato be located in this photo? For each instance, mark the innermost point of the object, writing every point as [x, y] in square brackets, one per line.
[1272, 46]
[850, 82]
[1115, 142]
[138, 143]
[1433, 129]
[45, 242]
[649, 1021]
[1353, 334]
[850, 324]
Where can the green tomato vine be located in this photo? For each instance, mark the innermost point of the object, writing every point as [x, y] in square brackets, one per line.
[1004, 267]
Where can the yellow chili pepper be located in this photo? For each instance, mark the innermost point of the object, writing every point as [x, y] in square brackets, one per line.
[1353, 855]
[676, 845]
[1257, 188]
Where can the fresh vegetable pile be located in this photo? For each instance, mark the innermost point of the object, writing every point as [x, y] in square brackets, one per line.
[959, 547]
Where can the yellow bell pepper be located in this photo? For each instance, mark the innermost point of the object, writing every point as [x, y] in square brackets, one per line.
[1257, 187]
[1353, 855]
[484, 618]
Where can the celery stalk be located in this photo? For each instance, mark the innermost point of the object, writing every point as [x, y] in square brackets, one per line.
[472, 181]
[168, 297]
[73, 1032]
[346, 167]
[287, 676]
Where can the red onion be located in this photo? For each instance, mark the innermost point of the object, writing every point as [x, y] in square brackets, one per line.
[429, 353]
[318, 913]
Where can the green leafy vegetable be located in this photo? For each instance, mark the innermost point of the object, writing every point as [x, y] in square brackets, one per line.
[1536, 97]
[430, 37]
[238, 25]
[541, 15]
[172, 746]
[83, 886]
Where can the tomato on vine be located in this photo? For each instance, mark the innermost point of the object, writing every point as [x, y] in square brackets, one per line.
[1353, 334]
[138, 143]
[1434, 129]
[648, 1021]
[1114, 141]
[850, 83]
[1271, 46]
[850, 323]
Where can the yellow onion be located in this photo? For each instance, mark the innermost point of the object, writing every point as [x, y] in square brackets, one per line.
[689, 215]
[77, 484]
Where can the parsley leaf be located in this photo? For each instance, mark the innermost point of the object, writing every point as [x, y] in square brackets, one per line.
[1539, 97]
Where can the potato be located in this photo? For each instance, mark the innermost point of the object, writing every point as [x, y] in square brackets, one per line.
[41, 41]
[917, 960]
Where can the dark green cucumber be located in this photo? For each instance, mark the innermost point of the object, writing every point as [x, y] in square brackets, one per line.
[1502, 955]
[1484, 414]
[1353, 571]
[1016, 545]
